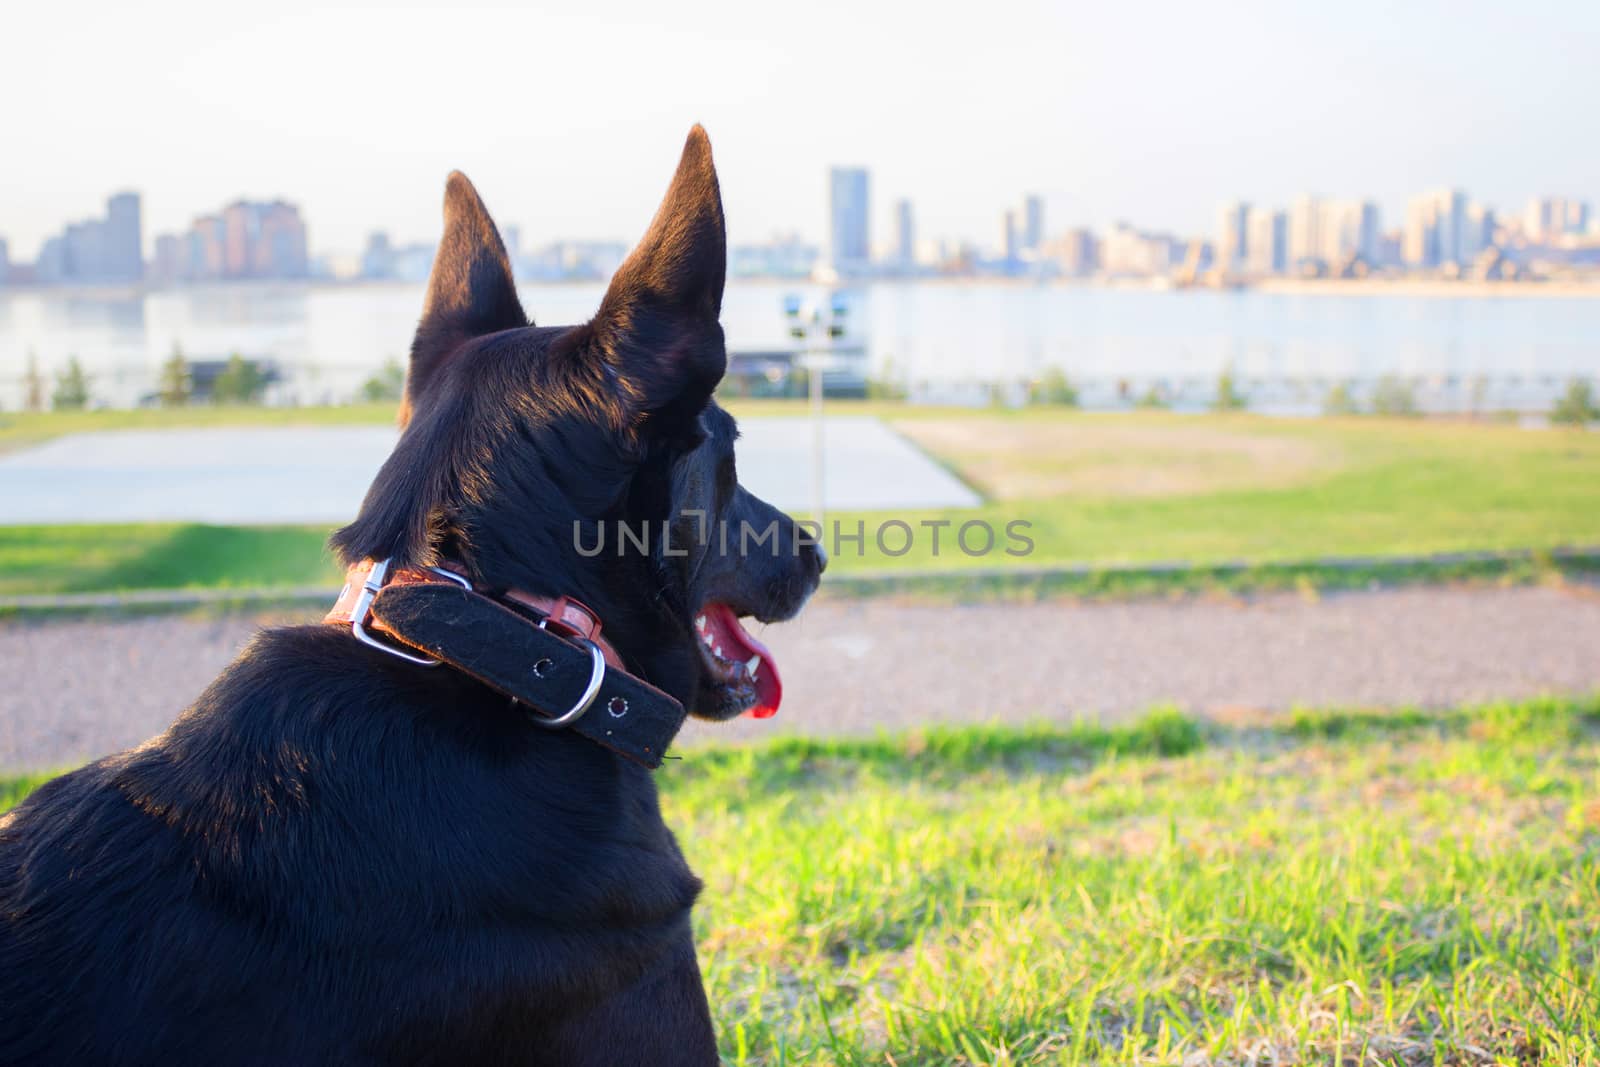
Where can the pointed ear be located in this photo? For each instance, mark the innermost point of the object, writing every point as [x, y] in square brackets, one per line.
[658, 322]
[470, 292]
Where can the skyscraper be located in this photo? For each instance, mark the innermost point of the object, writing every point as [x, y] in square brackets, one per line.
[123, 239]
[1548, 217]
[1008, 238]
[1032, 223]
[1233, 235]
[1305, 231]
[850, 228]
[109, 249]
[1267, 251]
[905, 235]
[1435, 224]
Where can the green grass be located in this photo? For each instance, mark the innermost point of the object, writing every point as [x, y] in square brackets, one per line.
[1344, 887]
[23, 429]
[1119, 490]
[93, 558]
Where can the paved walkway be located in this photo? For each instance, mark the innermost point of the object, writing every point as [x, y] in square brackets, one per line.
[318, 474]
[75, 690]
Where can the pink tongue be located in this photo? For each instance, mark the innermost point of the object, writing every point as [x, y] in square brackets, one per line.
[739, 645]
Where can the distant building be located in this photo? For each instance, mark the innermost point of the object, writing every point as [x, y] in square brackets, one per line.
[1349, 229]
[850, 220]
[1010, 251]
[905, 235]
[1076, 254]
[1233, 236]
[5, 261]
[1129, 252]
[1305, 243]
[575, 260]
[1550, 217]
[109, 249]
[377, 259]
[1435, 222]
[207, 247]
[1267, 249]
[247, 240]
[1032, 224]
[170, 262]
[785, 256]
[1478, 233]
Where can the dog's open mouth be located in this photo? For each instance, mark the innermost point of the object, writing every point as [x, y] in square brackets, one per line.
[737, 663]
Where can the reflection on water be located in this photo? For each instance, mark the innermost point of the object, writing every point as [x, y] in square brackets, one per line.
[932, 336]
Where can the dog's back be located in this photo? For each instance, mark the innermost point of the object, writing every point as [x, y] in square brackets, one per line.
[244, 888]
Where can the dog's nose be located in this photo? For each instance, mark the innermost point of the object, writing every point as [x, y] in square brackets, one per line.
[822, 556]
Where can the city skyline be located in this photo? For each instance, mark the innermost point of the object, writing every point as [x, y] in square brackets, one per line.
[1311, 235]
[1109, 114]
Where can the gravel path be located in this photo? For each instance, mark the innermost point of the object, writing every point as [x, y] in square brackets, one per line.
[75, 690]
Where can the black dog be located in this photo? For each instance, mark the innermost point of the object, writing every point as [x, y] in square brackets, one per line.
[337, 856]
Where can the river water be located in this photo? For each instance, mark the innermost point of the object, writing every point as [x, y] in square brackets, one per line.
[942, 340]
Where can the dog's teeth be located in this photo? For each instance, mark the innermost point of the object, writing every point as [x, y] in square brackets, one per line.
[753, 662]
[700, 623]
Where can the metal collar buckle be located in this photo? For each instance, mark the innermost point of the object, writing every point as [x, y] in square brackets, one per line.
[597, 677]
[369, 590]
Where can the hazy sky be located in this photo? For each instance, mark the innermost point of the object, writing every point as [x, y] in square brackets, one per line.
[570, 123]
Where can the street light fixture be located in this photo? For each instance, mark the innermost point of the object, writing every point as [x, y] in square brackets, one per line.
[817, 328]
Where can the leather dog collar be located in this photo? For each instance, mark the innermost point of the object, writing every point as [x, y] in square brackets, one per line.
[555, 665]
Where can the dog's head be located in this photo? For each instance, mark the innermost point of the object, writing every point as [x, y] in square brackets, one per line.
[591, 461]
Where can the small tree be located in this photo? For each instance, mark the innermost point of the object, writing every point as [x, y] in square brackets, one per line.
[1576, 406]
[33, 384]
[72, 388]
[1228, 397]
[1394, 396]
[241, 382]
[1340, 401]
[1054, 388]
[386, 385]
[176, 382]
[1153, 399]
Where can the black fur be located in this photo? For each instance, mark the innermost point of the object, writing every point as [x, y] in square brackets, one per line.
[336, 857]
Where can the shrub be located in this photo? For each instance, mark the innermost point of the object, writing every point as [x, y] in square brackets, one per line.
[1054, 388]
[176, 384]
[1576, 406]
[1153, 399]
[241, 382]
[386, 385]
[1340, 401]
[1394, 396]
[1228, 397]
[72, 388]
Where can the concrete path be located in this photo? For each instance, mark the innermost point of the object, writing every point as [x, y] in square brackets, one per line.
[318, 474]
[75, 690]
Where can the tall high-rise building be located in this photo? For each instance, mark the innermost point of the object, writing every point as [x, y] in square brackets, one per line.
[109, 249]
[1267, 250]
[1233, 235]
[1305, 231]
[1032, 223]
[1549, 217]
[1435, 222]
[1349, 228]
[170, 262]
[124, 239]
[905, 234]
[850, 220]
[1009, 239]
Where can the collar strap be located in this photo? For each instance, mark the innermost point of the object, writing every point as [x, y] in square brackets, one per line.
[556, 666]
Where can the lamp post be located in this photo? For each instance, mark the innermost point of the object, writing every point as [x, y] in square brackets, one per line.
[817, 329]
